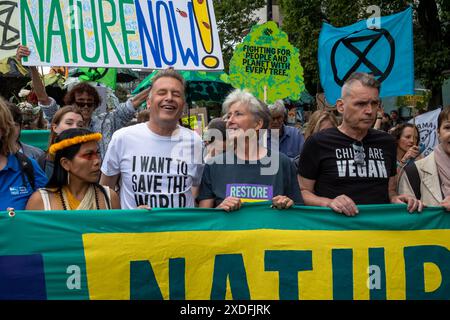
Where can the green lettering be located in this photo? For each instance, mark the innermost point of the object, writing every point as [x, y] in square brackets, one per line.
[55, 8]
[177, 272]
[229, 266]
[75, 22]
[288, 263]
[84, 56]
[126, 32]
[342, 274]
[105, 32]
[415, 257]
[25, 15]
[143, 284]
[376, 258]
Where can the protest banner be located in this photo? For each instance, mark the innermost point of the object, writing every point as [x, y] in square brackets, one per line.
[36, 138]
[121, 33]
[267, 64]
[254, 253]
[427, 125]
[9, 28]
[385, 50]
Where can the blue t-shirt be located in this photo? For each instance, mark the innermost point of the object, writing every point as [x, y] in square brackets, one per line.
[291, 142]
[12, 191]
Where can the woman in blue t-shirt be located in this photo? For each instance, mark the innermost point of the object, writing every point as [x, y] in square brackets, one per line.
[19, 176]
[248, 171]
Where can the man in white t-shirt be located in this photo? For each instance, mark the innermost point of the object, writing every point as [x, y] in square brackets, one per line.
[159, 162]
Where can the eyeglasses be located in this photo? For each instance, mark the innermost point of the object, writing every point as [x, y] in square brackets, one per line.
[358, 153]
[85, 104]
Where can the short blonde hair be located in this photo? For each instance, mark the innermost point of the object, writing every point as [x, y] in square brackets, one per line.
[316, 120]
[8, 145]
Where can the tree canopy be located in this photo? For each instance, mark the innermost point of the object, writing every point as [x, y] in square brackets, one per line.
[234, 20]
[302, 21]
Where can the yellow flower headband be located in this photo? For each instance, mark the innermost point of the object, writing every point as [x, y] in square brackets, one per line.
[72, 141]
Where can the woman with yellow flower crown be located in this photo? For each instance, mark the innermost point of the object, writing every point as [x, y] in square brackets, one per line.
[74, 182]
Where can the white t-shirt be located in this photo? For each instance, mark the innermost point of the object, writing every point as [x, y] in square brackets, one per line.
[155, 170]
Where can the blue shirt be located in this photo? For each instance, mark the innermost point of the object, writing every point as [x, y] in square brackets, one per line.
[291, 142]
[12, 191]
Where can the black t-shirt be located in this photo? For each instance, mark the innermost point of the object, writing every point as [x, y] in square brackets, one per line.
[247, 181]
[328, 157]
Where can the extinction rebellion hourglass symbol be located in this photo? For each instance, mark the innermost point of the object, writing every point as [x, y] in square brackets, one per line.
[8, 34]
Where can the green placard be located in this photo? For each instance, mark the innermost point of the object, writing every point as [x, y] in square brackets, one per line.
[266, 59]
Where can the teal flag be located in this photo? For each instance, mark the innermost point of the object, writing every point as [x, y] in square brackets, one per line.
[384, 49]
[254, 253]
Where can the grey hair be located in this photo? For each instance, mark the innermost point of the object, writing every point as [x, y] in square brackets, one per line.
[365, 79]
[257, 108]
[169, 73]
[278, 107]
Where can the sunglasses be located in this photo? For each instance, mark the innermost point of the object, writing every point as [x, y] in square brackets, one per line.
[358, 153]
[85, 104]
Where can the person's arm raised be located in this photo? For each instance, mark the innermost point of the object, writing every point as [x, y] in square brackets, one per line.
[36, 80]
[138, 99]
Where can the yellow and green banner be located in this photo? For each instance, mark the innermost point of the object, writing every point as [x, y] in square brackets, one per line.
[254, 253]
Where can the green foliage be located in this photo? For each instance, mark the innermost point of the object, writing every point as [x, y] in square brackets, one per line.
[302, 21]
[234, 20]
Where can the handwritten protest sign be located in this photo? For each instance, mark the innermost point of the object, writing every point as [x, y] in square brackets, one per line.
[121, 33]
[9, 28]
[266, 59]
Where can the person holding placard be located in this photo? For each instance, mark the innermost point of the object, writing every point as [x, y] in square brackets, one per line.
[87, 99]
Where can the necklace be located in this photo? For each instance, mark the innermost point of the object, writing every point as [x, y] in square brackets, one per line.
[96, 198]
[73, 202]
[62, 199]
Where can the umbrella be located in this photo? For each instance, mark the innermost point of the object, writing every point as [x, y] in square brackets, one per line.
[201, 85]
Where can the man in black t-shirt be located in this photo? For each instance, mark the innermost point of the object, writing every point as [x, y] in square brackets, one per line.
[352, 164]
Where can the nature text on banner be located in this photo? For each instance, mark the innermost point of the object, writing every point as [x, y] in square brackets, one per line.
[121, 33]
